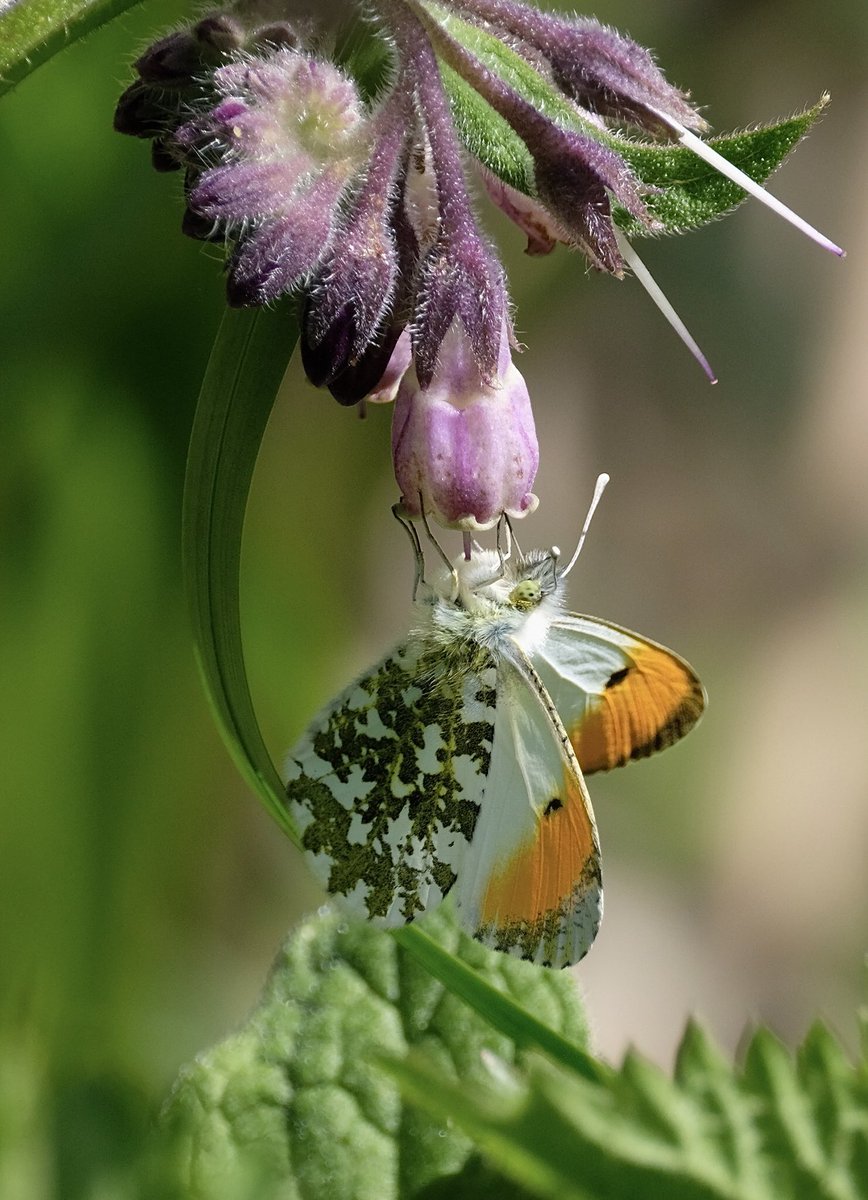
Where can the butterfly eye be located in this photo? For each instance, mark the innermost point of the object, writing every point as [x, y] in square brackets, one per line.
[526, 595]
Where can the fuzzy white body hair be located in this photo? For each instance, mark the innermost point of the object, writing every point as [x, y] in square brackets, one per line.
[484, 610]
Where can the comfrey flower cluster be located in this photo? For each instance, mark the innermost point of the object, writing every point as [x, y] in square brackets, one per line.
[351, 193]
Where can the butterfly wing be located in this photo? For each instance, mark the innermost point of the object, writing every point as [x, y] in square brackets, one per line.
[530, 882]
[386, 784]
[618, 695]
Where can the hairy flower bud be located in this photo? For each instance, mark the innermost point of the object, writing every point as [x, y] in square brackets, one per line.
[173, 73]
[278, 150]
[353, 194]
[465, 452]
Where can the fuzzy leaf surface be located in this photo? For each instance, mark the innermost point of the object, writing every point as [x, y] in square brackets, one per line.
[296, 1104]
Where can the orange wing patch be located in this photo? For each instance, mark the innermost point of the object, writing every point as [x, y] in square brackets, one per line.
[644, 707]
[542, 876]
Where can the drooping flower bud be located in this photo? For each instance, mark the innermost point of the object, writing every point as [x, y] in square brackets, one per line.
[350, 312]
[602, 70]
[465, 452]
[279, 148]
[173, 76]
[356, 195]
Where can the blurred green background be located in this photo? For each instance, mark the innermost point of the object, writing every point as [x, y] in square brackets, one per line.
[143, 890]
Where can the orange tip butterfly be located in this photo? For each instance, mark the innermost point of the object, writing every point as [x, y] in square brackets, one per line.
[456, 765]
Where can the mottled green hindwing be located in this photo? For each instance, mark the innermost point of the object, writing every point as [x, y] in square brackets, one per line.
[385, 786]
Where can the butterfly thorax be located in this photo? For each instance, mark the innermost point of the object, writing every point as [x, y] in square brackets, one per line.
[494, 606]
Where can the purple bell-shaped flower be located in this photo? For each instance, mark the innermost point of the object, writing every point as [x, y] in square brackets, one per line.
[465, 451]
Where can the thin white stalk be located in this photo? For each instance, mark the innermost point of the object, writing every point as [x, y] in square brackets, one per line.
[634, 262]
[725, 167]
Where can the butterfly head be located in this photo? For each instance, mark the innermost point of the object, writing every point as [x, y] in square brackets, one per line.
[488, 599]
[536, 578]
[489, 582]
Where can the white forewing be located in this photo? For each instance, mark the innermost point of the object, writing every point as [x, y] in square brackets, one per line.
[386, 784]
[530, 883]
[582, 653]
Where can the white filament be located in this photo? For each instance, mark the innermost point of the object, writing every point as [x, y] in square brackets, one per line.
[704, 151]
[634, 262]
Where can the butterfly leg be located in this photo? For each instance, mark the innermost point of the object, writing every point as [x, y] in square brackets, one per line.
[502, 555]
[444, 556]
[418, 556]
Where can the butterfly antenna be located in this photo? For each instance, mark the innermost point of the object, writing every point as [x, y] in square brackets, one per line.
[418, 555]
[432, 539]
[649, 283]
[599, 488]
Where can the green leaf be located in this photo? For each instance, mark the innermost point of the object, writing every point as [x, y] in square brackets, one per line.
[247, 363]
[779, 1130]
[297, 1104]
[514, 1129]
[815, 1152]
[703, 1072]
[691, 193]
[33, 31]
[519, 1023]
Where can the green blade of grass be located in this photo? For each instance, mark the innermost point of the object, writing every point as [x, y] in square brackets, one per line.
[498, 1008]
[244, 372]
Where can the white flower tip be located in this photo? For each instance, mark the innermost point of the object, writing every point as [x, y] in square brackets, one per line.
[706, 366]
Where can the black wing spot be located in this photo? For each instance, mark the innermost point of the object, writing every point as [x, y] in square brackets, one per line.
[553, 805]
[617, 677]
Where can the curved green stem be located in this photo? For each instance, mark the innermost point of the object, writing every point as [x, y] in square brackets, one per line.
[33, 31]
[244, 373]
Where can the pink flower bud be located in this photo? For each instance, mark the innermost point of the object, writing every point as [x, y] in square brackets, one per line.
[465, 451]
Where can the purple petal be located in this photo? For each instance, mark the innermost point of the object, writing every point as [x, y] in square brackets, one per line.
[245, 190]
[277, 256]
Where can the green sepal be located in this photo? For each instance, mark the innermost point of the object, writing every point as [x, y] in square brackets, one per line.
[691, 193]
